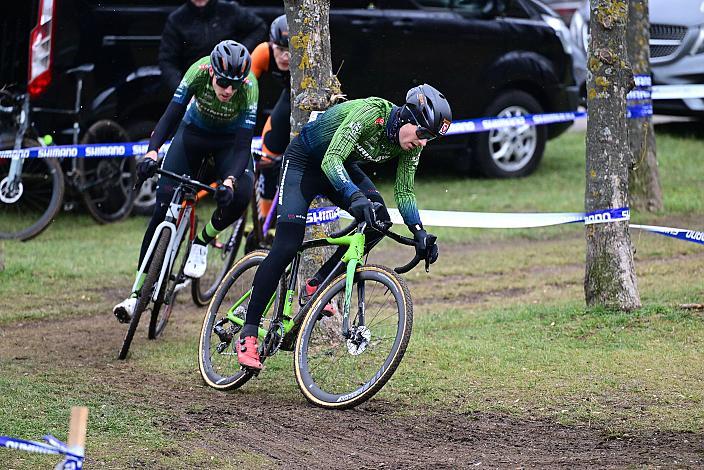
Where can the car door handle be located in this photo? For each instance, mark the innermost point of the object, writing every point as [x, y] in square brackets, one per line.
[405, 22]
[363, 22]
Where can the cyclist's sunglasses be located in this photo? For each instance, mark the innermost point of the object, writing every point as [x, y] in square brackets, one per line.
[226, 82]
[423, 132]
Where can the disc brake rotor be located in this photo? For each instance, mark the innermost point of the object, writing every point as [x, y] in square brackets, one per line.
[359, 340]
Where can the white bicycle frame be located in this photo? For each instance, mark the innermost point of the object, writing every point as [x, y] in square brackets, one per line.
[176, 234]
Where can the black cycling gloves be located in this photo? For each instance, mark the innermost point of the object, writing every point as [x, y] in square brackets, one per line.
[146, 168]
[426, 248]
[224, 195]
[361, 208]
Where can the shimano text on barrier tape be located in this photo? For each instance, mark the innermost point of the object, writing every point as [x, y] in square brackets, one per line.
[608, 215]
[322, 215]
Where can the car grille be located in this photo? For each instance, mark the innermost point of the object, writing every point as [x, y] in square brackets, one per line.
[665, 39]
[14, 36]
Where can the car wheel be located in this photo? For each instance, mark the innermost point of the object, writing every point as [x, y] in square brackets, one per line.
[144, 200]
[514, 151]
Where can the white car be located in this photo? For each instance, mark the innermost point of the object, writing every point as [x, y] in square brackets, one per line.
[676, 50]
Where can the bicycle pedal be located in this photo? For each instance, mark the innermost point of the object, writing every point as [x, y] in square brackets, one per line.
[251, 370]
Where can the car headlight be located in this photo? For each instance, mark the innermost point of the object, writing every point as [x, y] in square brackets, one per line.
[698, 47]
[562, 32]
[579, 30]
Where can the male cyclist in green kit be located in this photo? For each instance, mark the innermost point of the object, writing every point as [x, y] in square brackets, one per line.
[323, 159]
[214, 109]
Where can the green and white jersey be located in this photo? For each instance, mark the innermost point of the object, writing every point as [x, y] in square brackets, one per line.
[206, 111]
[356, 131]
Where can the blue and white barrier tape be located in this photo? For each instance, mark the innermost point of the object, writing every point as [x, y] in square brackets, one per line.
[507, 220]
[468, 126]
[322, 215]
[74, 460]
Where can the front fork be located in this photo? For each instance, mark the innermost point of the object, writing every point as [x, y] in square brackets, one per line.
[352, 257]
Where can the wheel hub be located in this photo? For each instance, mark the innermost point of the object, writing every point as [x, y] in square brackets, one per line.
[10, 193]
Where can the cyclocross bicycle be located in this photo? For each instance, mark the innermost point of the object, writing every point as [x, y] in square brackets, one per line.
[166, 258]
[337, 364]
[32, 190]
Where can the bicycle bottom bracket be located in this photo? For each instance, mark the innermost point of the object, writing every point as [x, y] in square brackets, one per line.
[359, 340]
[273, 339]
[10, 193]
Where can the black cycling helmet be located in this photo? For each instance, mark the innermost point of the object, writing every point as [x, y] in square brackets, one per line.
[427, 108]
[278, 33]
[230, 60]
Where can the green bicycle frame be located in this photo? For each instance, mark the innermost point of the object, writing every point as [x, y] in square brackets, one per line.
[352, 258]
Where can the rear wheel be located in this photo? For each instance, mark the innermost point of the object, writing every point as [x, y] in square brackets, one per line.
[217, 357]
[27, 209]
[222, 252]
[145, 302]
[333, 371]
[513, 151]
[106, 183]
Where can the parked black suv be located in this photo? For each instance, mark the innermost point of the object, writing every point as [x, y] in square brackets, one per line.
[490, 57]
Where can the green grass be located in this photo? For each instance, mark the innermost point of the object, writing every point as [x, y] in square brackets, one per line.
[500, 324]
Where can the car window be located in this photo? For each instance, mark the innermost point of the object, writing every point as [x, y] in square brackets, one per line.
[352, 4]
[444, 4]
[473, 7]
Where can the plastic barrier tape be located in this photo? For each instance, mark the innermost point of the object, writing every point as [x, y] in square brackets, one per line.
[508, 220]
[53, 446]
[322, 215]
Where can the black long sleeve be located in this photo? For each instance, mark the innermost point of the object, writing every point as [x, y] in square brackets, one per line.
[171, 56]
[167, 125]
[242, 150]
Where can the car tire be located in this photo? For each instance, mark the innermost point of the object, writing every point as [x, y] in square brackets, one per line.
[144, 200]
[510, 152]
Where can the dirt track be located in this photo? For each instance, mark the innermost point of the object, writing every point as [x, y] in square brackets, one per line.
[376, 435]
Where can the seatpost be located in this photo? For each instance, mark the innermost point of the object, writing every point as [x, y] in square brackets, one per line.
[77, 108]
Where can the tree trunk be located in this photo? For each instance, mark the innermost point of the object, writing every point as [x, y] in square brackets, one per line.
[313, 88]
[644, 178]
[610, 278]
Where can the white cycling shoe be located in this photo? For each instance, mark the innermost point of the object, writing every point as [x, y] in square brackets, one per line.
[123, 311]
[197, 261]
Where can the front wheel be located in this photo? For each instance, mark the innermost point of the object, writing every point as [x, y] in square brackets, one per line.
[340, 372]
[511, 151]
[145, 303]
[174, 282]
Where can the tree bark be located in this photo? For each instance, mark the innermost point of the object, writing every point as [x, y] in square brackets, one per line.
[644, 177]
[610, 278]
[313, 88]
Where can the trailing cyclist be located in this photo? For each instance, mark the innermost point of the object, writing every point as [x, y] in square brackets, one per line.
[273, 57]
[324, 159]
[213, 112]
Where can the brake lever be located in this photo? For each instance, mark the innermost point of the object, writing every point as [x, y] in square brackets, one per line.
[429, 243]
[138, 184]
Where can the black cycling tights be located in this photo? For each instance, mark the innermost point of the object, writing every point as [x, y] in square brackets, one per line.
[289, 237]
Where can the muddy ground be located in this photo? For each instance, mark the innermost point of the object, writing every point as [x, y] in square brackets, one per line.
[297, 435]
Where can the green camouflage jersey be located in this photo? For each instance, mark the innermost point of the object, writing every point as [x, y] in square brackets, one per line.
[356, 131]
[206, 111]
